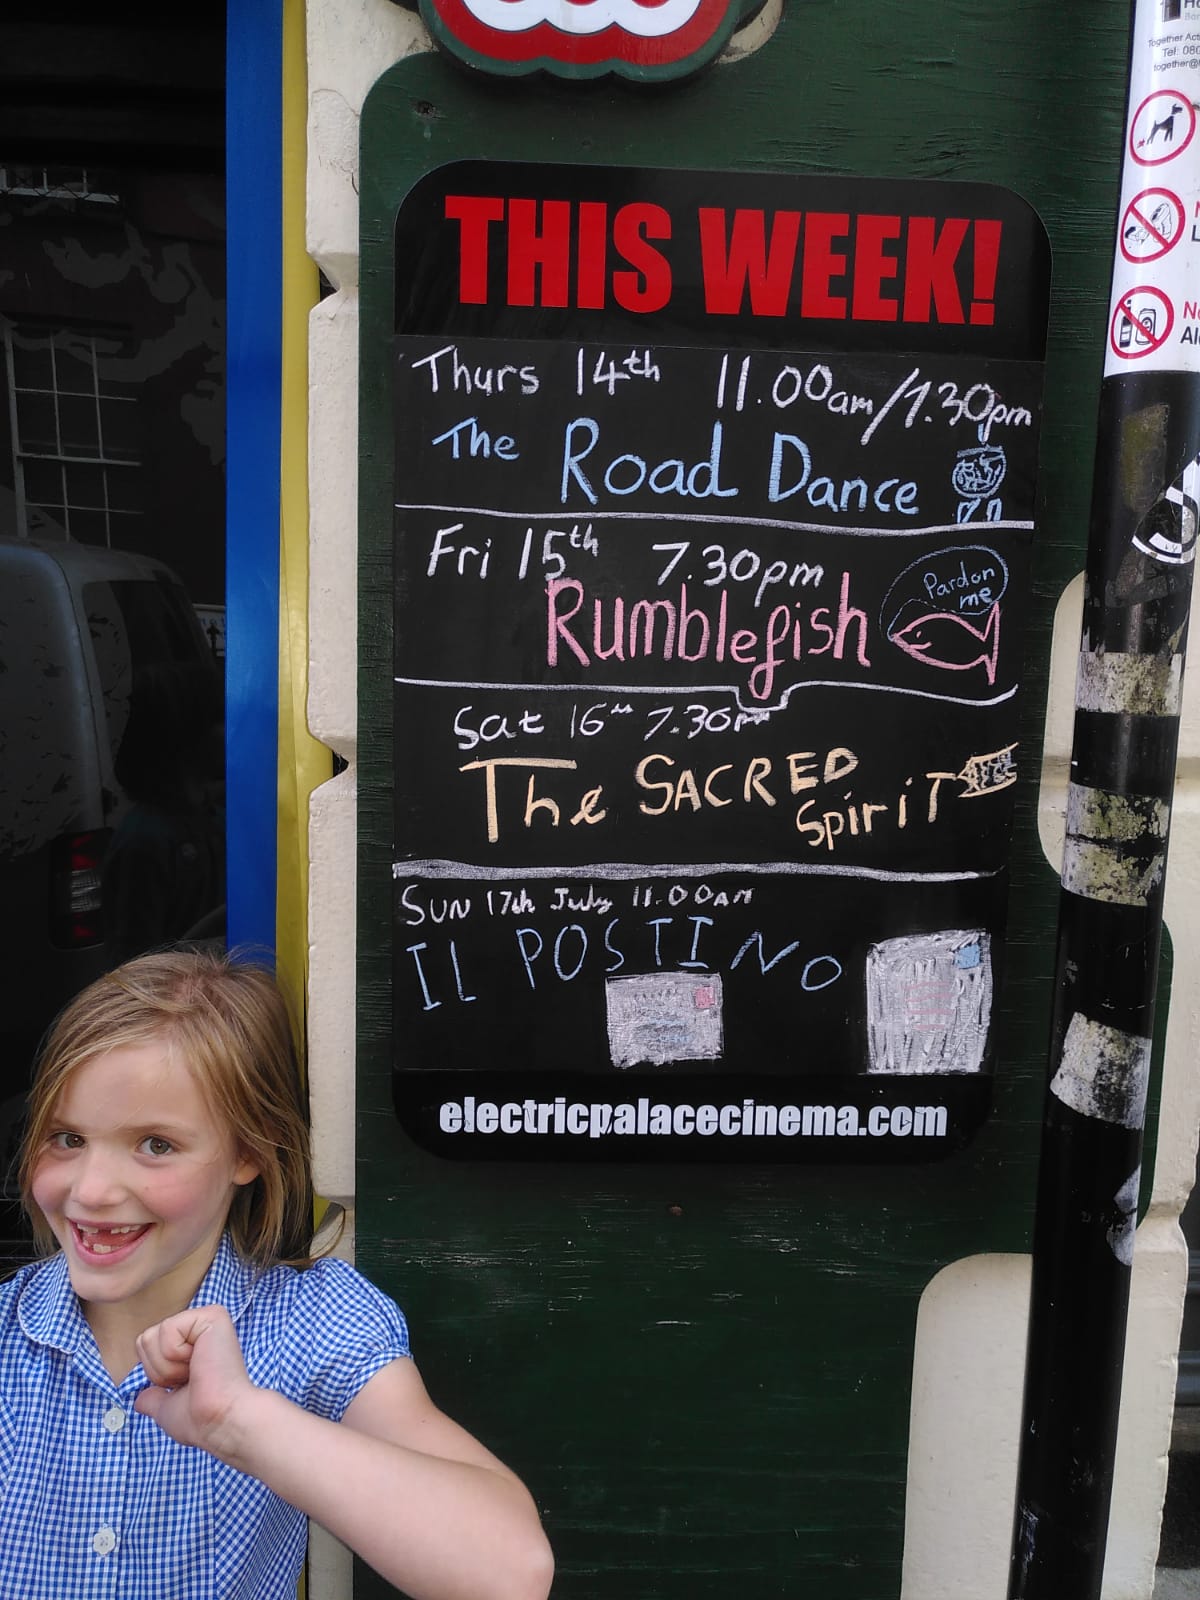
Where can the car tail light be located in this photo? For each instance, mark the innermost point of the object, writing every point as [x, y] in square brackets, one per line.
[76, 906]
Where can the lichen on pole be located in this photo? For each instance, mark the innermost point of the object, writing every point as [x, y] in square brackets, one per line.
[1140, 561]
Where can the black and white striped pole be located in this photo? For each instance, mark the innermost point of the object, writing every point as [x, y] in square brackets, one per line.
[1141, 546]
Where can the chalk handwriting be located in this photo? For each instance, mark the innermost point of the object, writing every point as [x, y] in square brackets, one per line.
[528, 793]
[475, 556]
[697, 718]
[607, 373]
[495, 725]
[791, 472]
[979, 404]
[642, 593]
[743, 567]
[626, 473]
[552, 560]
[444, 369]
[467, 440]
[625, 628]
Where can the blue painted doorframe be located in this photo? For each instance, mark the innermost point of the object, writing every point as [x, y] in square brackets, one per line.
[254, 356]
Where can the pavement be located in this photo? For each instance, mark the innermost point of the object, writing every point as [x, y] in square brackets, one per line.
[1179, 1548]
[1172, 1584]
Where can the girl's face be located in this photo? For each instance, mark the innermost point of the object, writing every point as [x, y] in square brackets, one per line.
[136, 1180]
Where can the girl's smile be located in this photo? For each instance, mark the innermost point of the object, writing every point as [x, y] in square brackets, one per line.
[98, 1242]
[136, 1180]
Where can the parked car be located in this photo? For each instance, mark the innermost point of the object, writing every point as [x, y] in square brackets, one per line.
[83, 632]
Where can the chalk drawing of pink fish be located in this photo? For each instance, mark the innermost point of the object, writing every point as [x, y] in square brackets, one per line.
[944, 639]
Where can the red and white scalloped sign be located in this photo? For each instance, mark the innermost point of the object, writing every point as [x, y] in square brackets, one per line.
[578, 38]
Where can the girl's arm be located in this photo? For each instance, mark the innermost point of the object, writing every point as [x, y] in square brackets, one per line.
[405, 1487]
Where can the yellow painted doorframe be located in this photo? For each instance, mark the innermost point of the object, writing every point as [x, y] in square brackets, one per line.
[303, 761]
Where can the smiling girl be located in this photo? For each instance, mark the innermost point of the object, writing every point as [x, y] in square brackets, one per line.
[176, 1399]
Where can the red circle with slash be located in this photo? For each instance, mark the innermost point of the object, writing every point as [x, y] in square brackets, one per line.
[1156, 116]
[1136, 334]
[1152, 224]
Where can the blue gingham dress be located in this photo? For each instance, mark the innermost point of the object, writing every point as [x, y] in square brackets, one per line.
[96, 1500]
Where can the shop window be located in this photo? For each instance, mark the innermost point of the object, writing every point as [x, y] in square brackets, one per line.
[76, 457]
[58, 183]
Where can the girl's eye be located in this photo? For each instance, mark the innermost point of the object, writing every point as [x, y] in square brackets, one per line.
[154, 1146]
[65, 1140]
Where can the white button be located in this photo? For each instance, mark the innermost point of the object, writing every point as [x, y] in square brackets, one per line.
[114, 1419]
[104, 1541]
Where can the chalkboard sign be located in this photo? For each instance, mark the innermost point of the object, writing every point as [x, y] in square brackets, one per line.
[714, 505]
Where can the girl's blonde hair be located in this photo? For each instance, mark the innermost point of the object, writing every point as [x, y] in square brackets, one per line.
[229, 1022]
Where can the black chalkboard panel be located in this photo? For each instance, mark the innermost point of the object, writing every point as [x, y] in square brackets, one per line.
[707, 656]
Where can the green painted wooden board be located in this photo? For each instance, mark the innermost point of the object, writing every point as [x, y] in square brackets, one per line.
[704, 1373]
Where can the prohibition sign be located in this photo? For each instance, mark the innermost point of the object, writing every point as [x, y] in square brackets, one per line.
[1141, 323]
[1152, 225]
[1156, 133]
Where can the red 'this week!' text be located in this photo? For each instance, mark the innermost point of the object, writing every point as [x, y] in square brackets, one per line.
[827, 265]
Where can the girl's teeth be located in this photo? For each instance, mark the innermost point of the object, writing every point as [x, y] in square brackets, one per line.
[95, 1246]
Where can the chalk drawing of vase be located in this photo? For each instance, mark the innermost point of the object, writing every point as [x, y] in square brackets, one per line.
[975, 477]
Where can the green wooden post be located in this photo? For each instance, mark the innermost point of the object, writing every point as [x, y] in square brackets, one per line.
[704, 1372]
